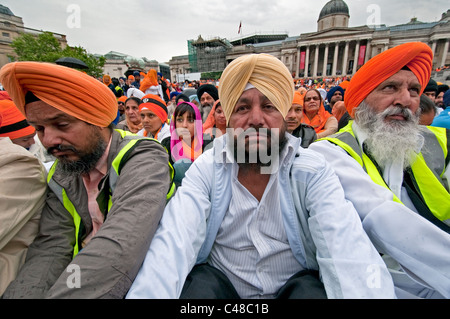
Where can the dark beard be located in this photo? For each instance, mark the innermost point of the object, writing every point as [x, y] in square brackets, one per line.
[243, 156]
[87, 160]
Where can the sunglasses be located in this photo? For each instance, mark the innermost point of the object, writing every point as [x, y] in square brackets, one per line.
[315, 98]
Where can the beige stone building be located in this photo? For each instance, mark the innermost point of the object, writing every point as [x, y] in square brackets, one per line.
[335, 49]
[11, 27]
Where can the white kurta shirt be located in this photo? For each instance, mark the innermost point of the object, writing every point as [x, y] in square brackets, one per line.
[252, 247]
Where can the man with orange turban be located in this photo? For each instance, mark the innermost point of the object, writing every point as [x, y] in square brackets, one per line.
[394, 171]
[275, 224]
[99, 172]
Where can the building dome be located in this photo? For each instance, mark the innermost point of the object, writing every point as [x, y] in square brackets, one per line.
[334, 7]
[5, 10]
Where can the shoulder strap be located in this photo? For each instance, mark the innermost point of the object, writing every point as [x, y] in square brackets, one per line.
[123, 156]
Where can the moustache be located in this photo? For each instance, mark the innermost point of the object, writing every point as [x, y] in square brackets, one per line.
[397, 110]
[61, 148]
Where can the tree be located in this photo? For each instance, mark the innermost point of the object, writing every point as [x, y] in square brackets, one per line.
[46, 48]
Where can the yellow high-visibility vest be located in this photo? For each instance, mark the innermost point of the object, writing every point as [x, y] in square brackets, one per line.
[117, 163]
[427, 169]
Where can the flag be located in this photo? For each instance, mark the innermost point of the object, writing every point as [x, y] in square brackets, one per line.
[240, 25]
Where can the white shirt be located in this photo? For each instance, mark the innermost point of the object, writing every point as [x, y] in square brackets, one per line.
[252, 247]
[419, 248]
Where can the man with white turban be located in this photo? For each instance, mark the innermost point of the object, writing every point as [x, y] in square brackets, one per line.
[107, 189]
[395, 172]
[249, 220]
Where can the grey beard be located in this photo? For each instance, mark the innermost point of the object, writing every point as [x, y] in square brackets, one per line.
[86, 162]
[393, 141]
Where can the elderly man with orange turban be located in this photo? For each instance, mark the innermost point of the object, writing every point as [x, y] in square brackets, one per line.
[250, 219]
[105, 196]
[395, 172]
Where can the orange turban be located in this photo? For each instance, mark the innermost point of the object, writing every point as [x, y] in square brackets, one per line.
[107, 79]
[155, 104]
[344, 84]
[265, 72]
[298, 98]
[417, 56]
[14, 124]
[151, 79]
[66, 89]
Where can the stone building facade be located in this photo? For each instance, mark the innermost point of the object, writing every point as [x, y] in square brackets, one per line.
[336, 49]
[11, 27]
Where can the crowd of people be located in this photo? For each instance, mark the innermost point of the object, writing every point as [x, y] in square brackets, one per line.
[260, 186]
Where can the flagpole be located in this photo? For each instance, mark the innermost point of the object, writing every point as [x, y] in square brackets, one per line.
[240, 30]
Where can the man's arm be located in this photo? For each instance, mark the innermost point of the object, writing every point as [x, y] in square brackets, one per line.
[181, 233]
[349, 264]
[378, 212]
[23, 190]
[48, 255]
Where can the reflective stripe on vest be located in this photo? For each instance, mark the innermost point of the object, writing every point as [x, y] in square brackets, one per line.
[117, 162]
[60, 192]
[436, 197]
[62, 196]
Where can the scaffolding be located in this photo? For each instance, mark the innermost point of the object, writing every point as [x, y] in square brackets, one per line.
[208, 55]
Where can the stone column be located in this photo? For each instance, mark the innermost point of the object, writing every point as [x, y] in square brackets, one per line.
[325, 60]
[344, 62]
[297, 72]
[316, 60]
[307, 61]
[356, 58]
[368, 51]
[433, 46]
[444, 53]
[335, 58]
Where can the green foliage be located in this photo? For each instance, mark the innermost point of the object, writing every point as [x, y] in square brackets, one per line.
[211, 75]
[94, 63]
[46, 48]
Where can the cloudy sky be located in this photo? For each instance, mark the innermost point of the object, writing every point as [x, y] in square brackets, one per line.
[158, 29]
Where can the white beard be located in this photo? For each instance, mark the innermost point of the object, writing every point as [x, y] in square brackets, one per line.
[389, 141]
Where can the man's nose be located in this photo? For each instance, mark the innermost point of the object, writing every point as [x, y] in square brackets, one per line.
[403, 97]
[50, 138]
[256, 116]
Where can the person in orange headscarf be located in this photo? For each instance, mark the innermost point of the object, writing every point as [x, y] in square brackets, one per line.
[99, 171]
[316, 116]
[108, 82]
[338, 110]
[216, 123]
[132, 122]
[150, 80]
[395, 171]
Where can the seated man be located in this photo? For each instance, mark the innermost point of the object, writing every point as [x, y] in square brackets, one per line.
[251, 215]
[105, 196]
[395, 171]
